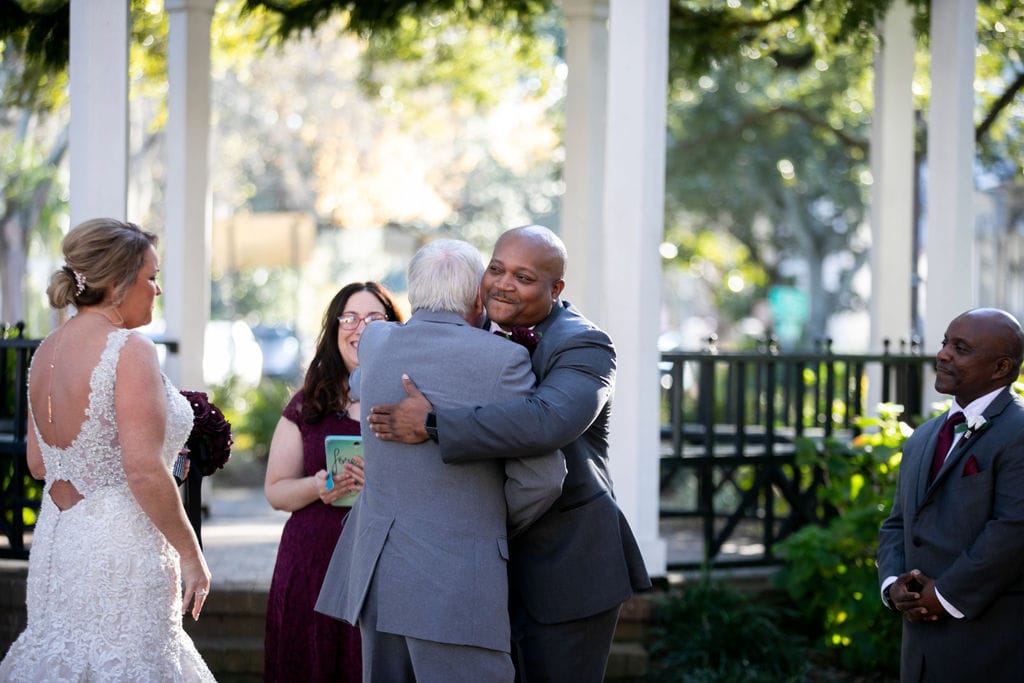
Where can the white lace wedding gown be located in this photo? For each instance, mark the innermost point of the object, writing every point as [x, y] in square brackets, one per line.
[104, 602]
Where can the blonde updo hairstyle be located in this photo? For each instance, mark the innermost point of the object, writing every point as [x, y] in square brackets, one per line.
[100, 254]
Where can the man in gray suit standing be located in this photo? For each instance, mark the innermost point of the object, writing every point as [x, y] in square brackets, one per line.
[571, 571]
[421, 565]
[951, 553]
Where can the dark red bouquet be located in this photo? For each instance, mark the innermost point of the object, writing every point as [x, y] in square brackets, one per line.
[209, 444]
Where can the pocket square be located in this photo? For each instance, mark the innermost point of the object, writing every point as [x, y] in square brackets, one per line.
[970, 467]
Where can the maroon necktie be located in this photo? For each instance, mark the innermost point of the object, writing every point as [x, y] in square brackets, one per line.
[944, 442]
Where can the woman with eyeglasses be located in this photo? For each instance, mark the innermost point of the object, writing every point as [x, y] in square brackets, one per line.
[300, 644]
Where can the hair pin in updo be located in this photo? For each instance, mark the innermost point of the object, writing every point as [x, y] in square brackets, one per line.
[79, 281]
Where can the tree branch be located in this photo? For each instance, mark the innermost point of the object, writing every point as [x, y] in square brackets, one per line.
[997, 108]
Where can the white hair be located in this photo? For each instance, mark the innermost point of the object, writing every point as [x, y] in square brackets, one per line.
[445, 276]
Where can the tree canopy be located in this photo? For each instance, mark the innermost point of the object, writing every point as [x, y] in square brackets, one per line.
[366, 17]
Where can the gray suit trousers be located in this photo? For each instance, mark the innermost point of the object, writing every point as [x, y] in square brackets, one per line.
[392, 658]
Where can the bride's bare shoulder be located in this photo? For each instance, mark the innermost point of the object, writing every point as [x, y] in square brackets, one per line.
[138, 357]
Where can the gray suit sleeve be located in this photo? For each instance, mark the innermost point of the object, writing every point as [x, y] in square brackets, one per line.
[891, 561]
[531, 486]
[574, 389]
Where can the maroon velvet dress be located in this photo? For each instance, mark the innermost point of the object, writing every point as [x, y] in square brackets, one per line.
[300, 644]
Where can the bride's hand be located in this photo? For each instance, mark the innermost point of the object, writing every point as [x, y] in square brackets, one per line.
[196, 579]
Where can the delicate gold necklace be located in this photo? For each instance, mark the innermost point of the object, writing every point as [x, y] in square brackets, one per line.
[116, 323]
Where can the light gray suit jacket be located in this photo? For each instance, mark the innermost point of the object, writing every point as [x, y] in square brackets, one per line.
[432, 536]
[966, 531]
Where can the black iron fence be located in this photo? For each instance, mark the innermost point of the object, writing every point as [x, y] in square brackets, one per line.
[19, 492]
[730, 421]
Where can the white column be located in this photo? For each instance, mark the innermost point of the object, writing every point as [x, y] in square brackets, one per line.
[892, 193]
[633, 227]
[892, 167]
[586, 56]
[949, 240]
[186, 263]
[98, 136]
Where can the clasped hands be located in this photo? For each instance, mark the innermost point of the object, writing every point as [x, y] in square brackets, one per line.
[913, 594]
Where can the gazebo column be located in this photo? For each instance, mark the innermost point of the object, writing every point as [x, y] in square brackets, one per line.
[631, 281]
[949, 239]
[892, 192]
[98, 84]
[586, 56]
[186, 263]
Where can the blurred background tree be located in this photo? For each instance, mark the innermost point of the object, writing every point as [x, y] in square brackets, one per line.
[769, 116]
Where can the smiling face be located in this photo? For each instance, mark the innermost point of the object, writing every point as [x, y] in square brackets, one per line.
[522, 280]
[360, 304]
[977, 355]
[137, 305]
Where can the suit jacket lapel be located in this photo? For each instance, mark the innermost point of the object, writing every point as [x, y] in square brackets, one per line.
[541, 353]
[997, 406]
[544, 325]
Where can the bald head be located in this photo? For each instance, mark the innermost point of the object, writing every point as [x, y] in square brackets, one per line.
[982, 351]
[1002, 329]
[547, 244]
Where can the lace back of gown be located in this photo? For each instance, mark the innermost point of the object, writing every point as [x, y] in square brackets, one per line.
[103, 592]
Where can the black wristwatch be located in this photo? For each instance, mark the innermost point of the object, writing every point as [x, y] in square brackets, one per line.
[888, 600]
[431, 426]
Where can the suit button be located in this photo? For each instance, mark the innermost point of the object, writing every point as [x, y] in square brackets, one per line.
[916, 541]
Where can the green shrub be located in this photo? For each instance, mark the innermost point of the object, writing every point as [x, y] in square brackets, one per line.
[253, 414]
[830, 572]
[709, 632]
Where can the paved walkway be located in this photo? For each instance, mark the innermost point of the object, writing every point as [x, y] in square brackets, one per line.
[240, 537]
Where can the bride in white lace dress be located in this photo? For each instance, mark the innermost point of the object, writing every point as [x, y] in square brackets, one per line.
[113, 562]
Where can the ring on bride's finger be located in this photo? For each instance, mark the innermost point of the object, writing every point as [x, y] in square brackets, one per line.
[202, 594]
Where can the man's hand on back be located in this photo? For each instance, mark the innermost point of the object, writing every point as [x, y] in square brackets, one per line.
[402, 421]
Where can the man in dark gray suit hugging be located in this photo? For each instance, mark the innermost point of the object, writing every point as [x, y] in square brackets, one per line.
[421, 565]
[571, 571]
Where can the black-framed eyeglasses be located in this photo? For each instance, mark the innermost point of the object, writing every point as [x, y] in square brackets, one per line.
[350, 321]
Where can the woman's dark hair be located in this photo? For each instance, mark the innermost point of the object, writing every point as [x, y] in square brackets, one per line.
[325, 389]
